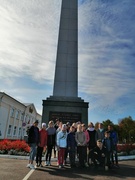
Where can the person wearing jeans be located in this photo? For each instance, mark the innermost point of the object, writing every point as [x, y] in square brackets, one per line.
[33, 140]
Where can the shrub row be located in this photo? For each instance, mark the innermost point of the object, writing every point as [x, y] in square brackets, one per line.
[14, 147]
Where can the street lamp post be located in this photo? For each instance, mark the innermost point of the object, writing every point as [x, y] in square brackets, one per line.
[0, 130]
[23, 124]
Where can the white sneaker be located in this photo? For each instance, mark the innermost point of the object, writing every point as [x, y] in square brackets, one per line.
[49, 164]
[86, 164]
[46, 163]
[60, 166]
[28, 166]
[32, 166]
[36, 166]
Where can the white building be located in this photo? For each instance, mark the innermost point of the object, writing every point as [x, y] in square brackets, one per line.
[15, 117]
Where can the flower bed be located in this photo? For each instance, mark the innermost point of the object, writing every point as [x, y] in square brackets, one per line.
[126, 149]
[16, 147]
[19, 147]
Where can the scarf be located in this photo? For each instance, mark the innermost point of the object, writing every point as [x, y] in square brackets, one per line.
[91, 129]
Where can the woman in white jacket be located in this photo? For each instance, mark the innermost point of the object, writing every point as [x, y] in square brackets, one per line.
[61, 144]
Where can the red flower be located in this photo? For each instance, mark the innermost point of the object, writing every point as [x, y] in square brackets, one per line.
[16, 145]
[125, 147]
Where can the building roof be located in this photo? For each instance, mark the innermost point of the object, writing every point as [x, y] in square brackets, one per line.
[2, 94]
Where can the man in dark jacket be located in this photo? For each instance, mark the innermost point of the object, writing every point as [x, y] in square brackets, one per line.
[33, 140]
[98, 155]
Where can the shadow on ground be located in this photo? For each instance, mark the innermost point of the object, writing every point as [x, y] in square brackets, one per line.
[125, 171]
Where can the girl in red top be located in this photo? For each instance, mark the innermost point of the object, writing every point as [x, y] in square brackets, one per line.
[42, 144]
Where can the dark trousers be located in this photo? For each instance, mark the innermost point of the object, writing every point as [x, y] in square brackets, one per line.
[81, 153]
[85, 154]
[90, 154]
[49, 152]
[66, 154]
[108, 157]
[54, 148]
[72, 157]
[96, 158]
[39, 155]
[114, 155]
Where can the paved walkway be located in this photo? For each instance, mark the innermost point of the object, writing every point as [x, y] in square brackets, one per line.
[15, 169]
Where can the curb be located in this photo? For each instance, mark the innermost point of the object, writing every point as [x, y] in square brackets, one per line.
[120, 158]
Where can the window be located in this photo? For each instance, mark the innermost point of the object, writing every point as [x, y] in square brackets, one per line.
[28, 120]
[26, 117]
[9, 130]
[14, 134]
[12, 112]
[22, 116]
[19, 134]
[17, 114]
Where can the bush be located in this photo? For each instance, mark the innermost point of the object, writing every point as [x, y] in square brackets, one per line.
[13, 147]
[126, 148]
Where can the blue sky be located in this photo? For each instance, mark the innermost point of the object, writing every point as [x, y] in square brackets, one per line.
[106, 59]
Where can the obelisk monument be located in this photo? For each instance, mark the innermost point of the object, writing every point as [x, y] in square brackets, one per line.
[65, 103]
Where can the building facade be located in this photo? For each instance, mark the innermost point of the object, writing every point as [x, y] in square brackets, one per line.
[15, 117]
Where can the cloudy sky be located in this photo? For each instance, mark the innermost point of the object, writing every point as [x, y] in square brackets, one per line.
[28, 45]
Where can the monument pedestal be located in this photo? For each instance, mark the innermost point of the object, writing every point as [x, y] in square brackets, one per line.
[67, 109]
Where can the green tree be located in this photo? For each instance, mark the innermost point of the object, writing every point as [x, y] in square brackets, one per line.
[106, 123]
[127, 127]
[132, 135]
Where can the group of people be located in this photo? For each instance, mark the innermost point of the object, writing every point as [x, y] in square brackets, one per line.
[90, 146]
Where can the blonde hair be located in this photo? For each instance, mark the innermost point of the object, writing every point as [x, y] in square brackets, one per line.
[79, 128]
[50, 122]
[75, 125]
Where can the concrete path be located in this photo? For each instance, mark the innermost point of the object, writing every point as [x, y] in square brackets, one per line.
[15, 169]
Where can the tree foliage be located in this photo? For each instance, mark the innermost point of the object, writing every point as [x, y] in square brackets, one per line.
[106, 123]
[125, 128]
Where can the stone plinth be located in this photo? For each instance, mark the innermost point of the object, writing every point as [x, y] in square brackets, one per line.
[66, 109]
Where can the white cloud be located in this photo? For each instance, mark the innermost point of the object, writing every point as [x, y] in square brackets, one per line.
[29, 37]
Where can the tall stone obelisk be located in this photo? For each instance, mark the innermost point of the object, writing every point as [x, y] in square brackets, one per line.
[65, 103]
[66, 72]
